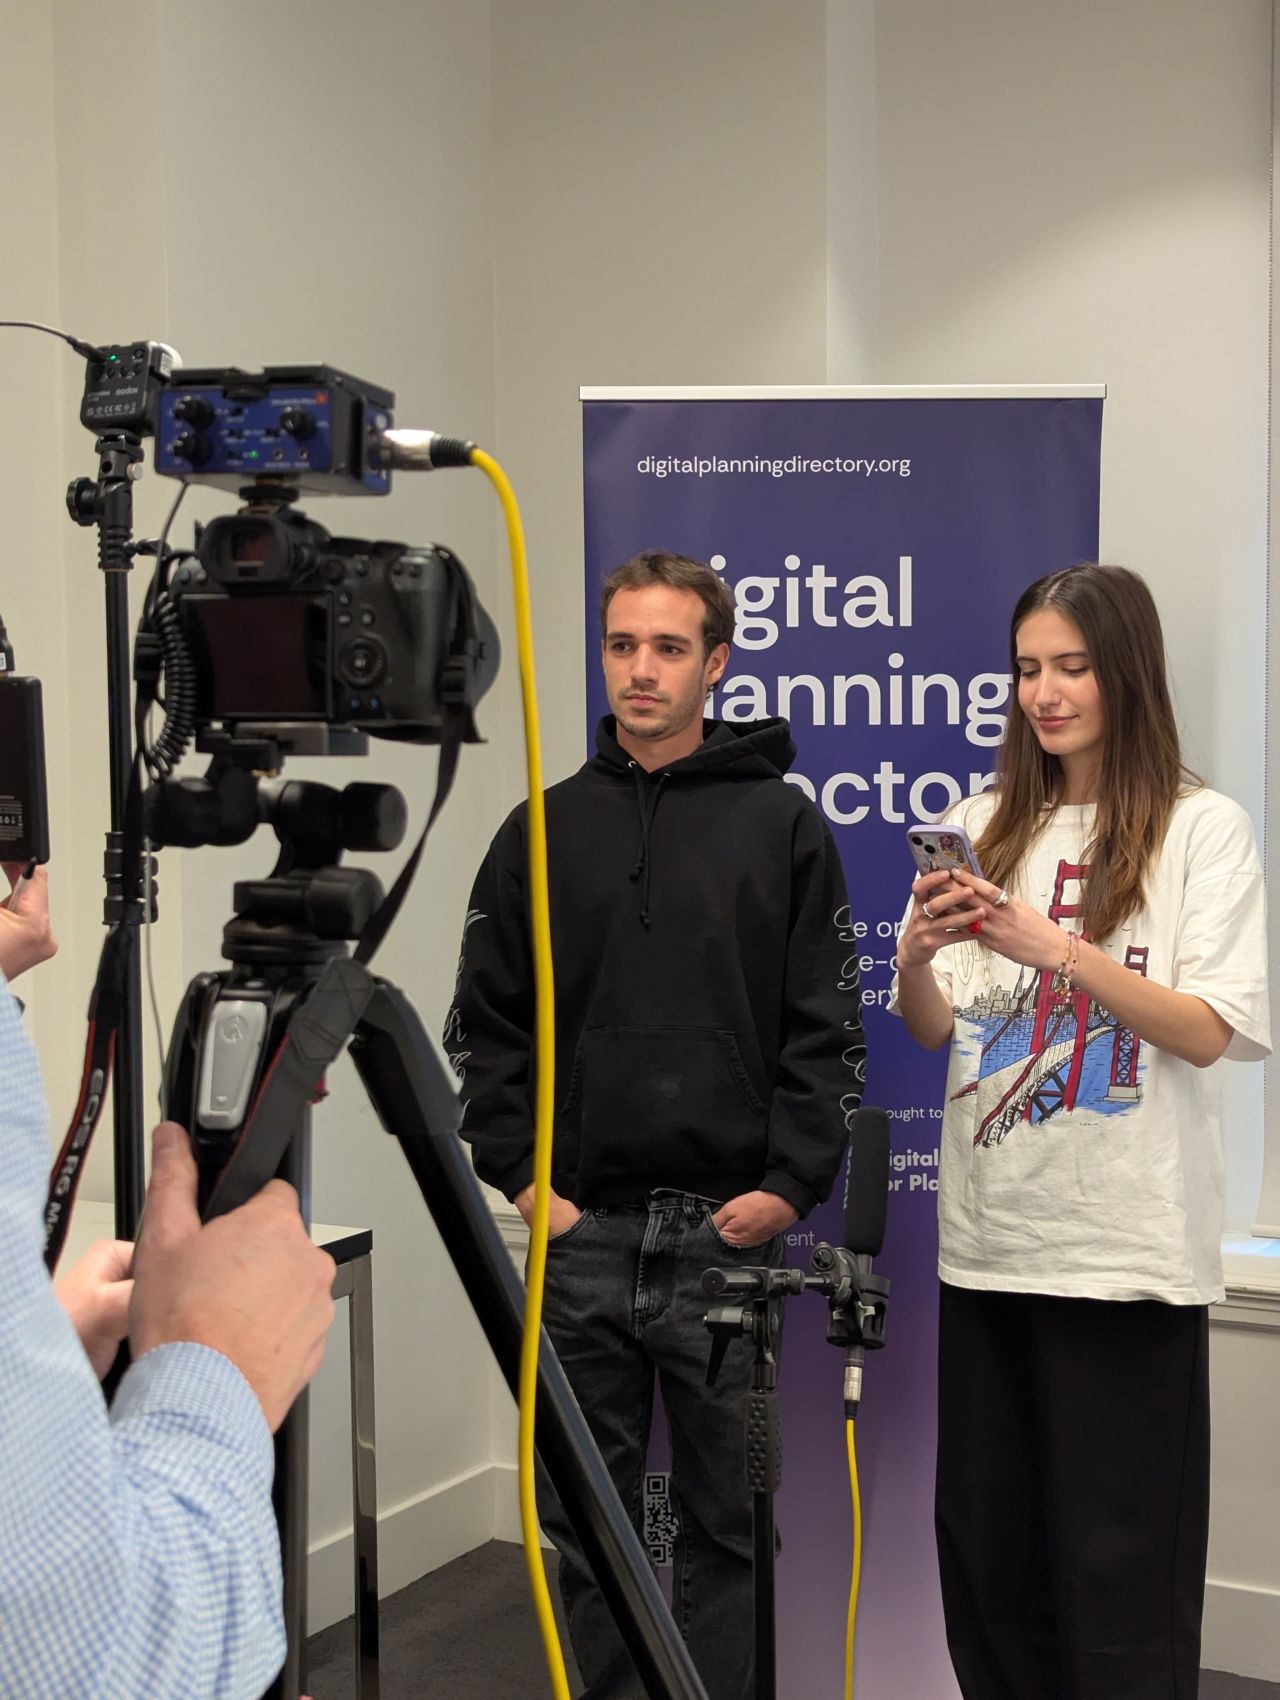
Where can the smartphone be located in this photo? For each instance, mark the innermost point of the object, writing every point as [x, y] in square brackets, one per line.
[935, 848]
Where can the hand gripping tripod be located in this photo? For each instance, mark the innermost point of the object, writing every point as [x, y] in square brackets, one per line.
[250, 1049]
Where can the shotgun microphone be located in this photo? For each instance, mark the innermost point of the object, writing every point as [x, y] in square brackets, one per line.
[866, 1183]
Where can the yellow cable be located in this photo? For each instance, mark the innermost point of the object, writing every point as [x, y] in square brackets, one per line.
[544, 1052]
[857, 1559]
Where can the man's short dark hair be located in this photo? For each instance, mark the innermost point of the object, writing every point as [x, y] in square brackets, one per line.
[660, 566]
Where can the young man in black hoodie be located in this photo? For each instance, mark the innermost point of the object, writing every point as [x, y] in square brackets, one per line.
[709, 1055]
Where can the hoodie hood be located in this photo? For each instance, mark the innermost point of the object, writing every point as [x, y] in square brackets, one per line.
[753, 749]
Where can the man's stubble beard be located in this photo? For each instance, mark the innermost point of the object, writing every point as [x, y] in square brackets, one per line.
[679, 715]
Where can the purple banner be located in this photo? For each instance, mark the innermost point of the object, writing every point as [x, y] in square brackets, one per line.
[875, 545]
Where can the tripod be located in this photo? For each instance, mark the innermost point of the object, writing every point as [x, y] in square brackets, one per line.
[250, 1048]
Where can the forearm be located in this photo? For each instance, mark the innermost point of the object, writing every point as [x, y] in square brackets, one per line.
[923, 1007]
[192, 1470]
[152, 1564]
[820, 1085]
[1176, 1022]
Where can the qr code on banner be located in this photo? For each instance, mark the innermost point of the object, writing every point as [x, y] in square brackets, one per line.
[660, 1525]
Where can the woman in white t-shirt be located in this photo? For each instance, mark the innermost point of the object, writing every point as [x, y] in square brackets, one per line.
[1115, 952]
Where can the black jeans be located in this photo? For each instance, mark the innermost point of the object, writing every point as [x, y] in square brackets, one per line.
[623, 1300]
[1073, 1495]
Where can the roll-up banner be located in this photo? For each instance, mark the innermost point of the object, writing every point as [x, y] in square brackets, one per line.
[876, 541]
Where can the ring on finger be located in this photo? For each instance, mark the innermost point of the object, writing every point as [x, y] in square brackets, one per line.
[929, 912]
[1000, 902]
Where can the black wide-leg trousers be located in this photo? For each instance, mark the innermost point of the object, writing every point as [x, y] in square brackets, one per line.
[1072, 1502]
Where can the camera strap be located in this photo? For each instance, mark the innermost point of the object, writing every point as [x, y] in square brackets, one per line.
[458, 727]
[105, 1004]
[316, 1034]
[452, 737]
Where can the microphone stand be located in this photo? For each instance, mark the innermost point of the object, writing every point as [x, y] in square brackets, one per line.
[121, 395]
[755, 1309]
[107, 502]
[752, 1305]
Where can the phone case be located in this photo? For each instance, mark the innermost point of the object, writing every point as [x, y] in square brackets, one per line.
[934, 848]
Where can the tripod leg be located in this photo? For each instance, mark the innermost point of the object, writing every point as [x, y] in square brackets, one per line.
[289, 1491]
[415, 1095]
[289, 1498]
[366, 1518]
[187, 1088]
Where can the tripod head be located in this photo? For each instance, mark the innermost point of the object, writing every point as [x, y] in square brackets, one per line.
[285, 929]
[308, 907]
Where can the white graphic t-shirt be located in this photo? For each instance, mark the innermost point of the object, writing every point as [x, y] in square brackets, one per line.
[1076, 1158]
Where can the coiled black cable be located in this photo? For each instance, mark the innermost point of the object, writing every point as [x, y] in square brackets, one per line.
[179, 690]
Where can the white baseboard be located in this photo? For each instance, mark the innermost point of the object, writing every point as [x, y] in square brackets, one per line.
[506, 1505]
[414, 1538]
[1242, 1630]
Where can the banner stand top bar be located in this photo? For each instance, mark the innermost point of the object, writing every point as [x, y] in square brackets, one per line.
[842, 392]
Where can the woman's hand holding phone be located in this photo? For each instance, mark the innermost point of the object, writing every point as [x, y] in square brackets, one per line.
[1013, 928]
[951, 909]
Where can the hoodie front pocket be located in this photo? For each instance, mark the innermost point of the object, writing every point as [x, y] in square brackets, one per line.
[679, 1096]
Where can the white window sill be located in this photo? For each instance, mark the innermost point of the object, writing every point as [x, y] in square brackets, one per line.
[1251, 1273]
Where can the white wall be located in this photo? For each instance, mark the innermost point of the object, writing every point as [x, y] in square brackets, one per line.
[54, 594]
[302, 187]
[1242, 1598]
[487, 205]
[1082, 193]
[1269, 1201]
[659, 217]
[324, 190]
[346, 217]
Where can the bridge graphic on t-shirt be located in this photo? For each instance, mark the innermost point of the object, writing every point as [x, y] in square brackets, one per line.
[1035, 1059]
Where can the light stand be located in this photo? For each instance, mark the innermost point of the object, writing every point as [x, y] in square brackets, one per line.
[108, 503]
[121, 396]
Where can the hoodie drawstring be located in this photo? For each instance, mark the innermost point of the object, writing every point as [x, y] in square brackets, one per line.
[644, 858]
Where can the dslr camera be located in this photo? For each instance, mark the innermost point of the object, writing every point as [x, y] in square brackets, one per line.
[284, 623]
[273, 628]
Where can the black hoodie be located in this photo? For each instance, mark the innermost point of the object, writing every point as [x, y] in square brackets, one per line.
[708, 1018]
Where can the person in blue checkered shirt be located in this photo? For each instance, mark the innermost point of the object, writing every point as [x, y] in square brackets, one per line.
[138, 1551]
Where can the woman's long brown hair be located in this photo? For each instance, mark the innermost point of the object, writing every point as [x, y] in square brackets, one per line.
[1142, 771]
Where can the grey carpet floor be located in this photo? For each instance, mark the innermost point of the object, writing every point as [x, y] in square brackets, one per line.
[466, 1632]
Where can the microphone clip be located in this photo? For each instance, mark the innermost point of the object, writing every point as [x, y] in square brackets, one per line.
[857, 1296]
